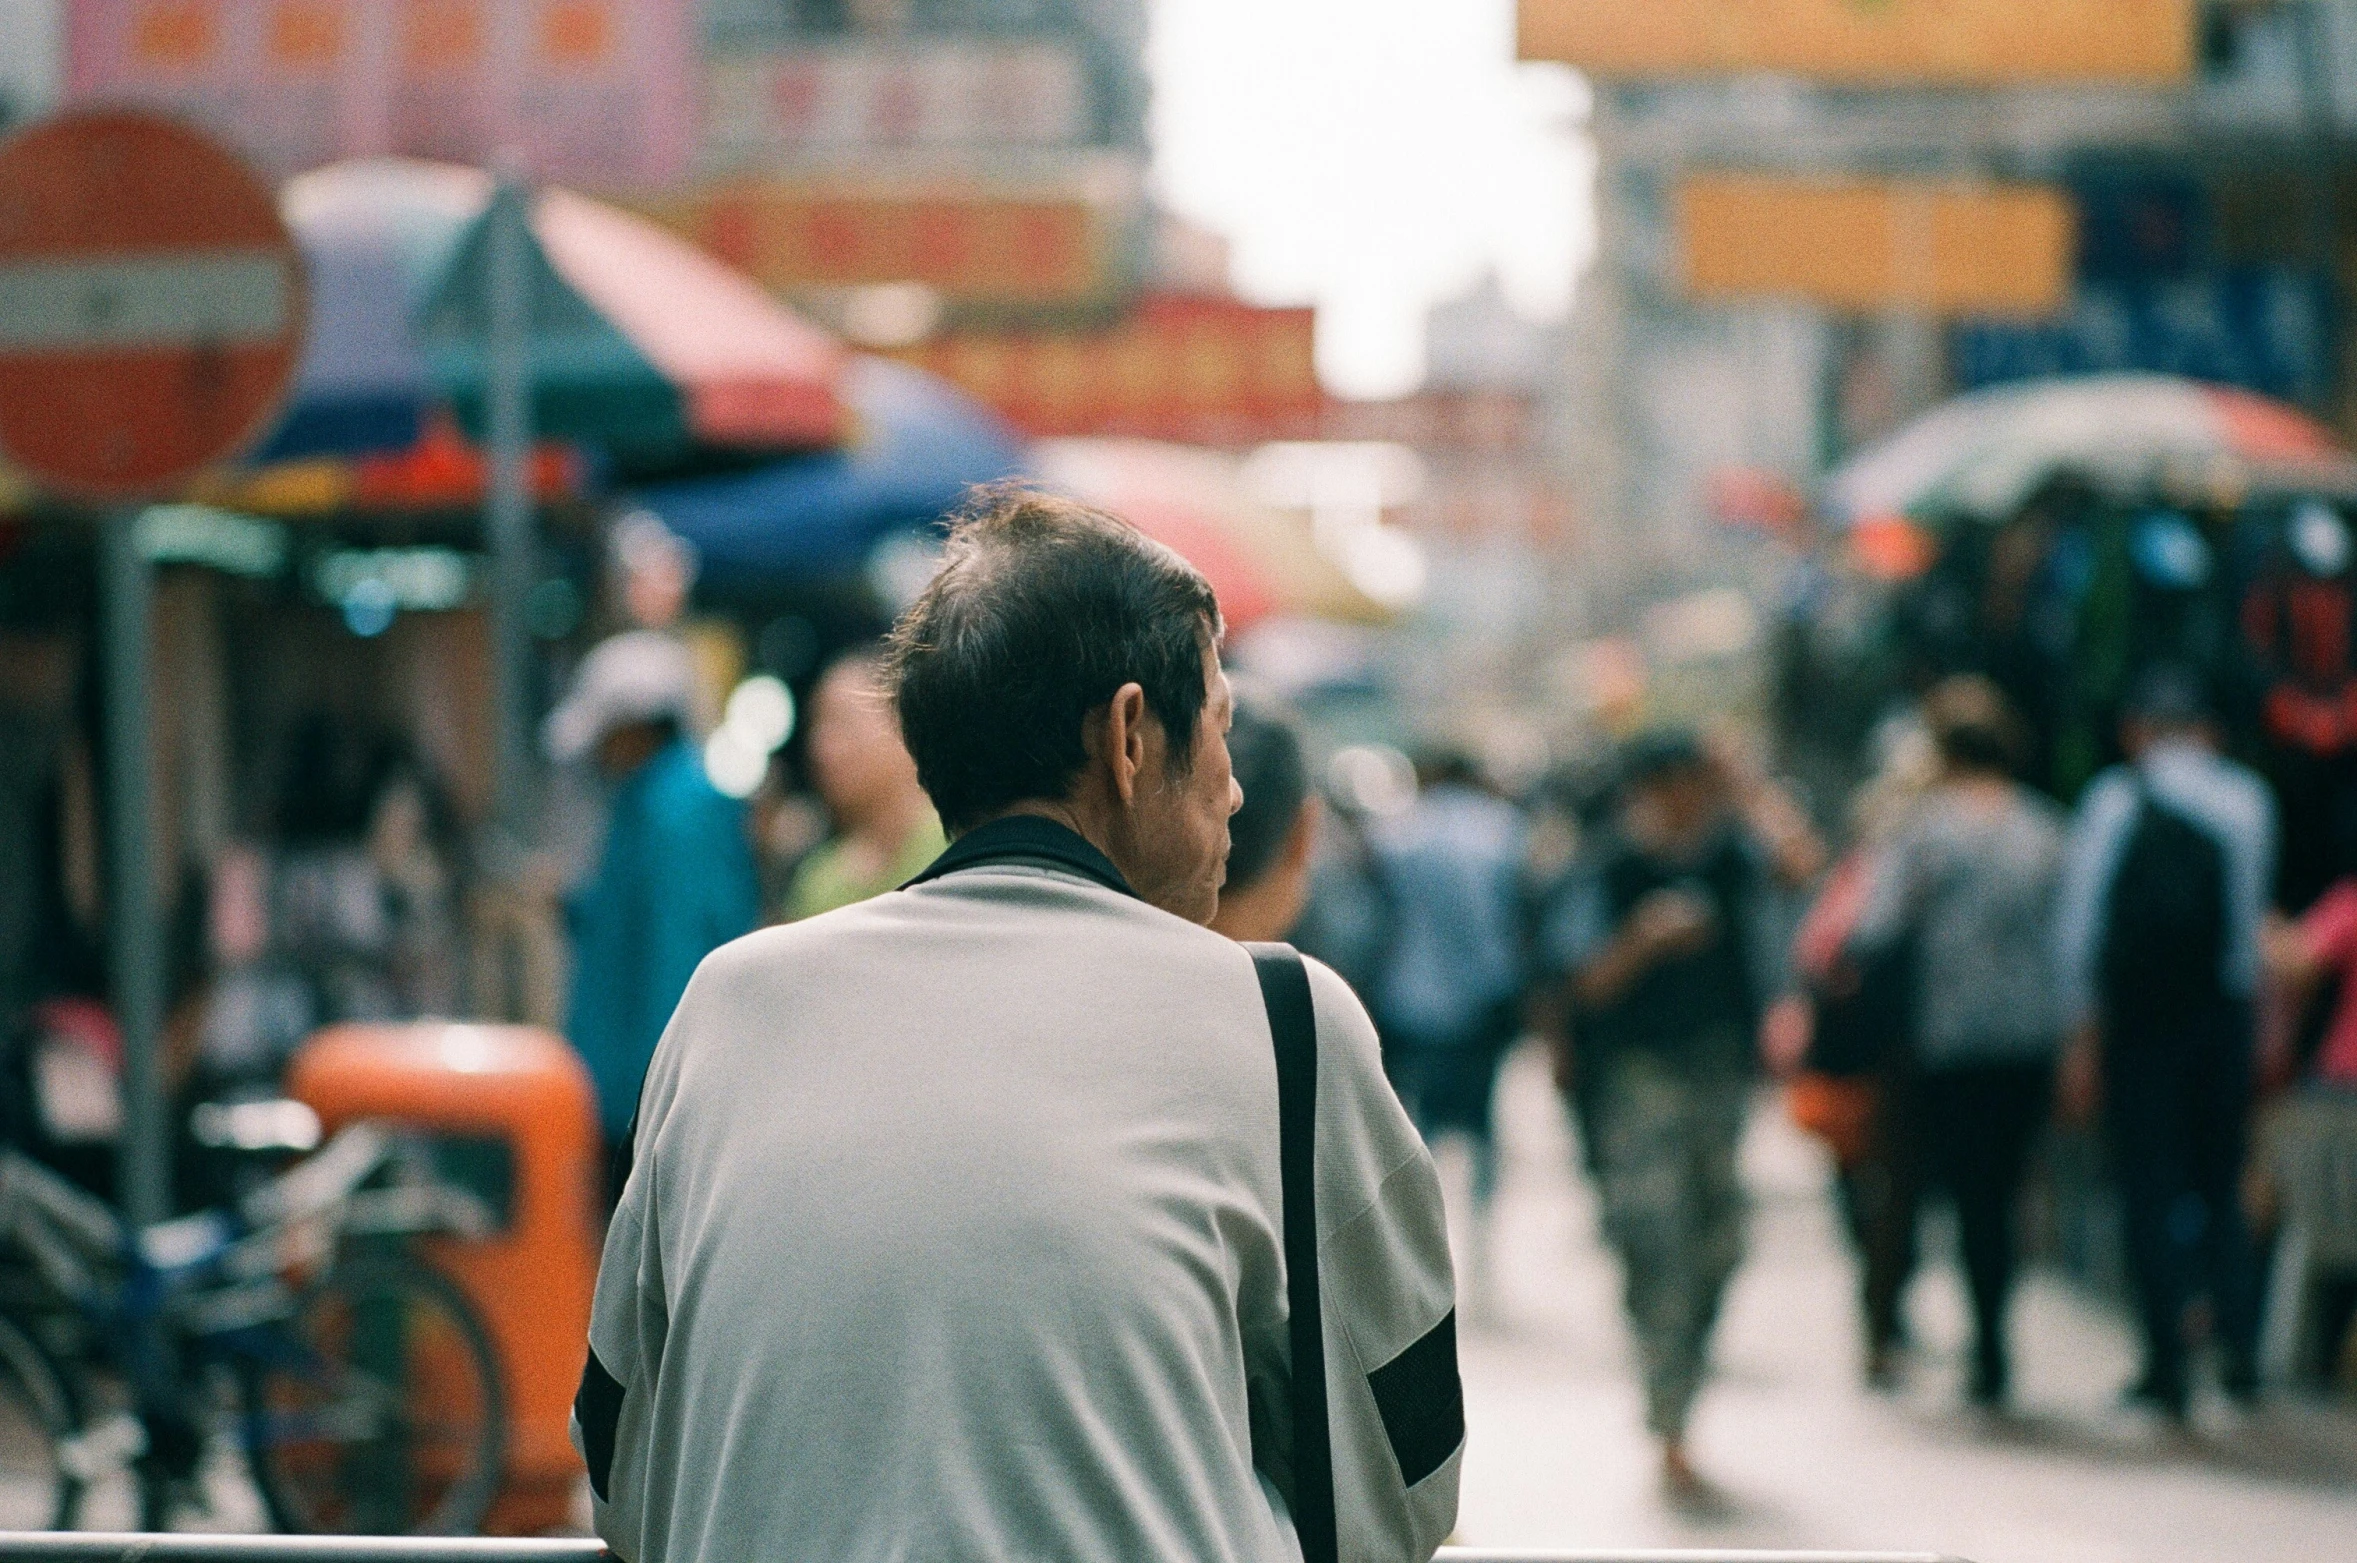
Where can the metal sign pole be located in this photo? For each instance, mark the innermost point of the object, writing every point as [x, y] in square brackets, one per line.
[137, 935]
[508, 508]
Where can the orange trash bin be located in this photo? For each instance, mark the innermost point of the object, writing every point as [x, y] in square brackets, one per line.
[513, 1118]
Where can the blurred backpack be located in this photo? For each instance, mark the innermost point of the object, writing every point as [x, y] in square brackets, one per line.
[2164, 928]
[1863, 1008]
[1865, 1018]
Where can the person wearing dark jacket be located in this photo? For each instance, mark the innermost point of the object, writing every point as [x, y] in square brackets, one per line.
[2164, 895]
[1670, 943]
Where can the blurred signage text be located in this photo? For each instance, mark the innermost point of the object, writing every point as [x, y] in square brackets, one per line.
[1878, 245]
[801, 104]
[1196, 370]
[1868, 42]
[596, 92]
[1031, 246]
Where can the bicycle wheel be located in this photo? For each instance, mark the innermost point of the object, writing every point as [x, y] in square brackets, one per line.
[39, 1415]
[380, 1410]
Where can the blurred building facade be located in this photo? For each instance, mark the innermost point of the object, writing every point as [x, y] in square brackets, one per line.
[1497, 526]
[897, 165]
[2212, 233]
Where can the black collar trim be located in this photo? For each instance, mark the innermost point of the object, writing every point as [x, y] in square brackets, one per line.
[1026, 838]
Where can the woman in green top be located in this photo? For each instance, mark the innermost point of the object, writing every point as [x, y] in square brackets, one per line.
[885, 829]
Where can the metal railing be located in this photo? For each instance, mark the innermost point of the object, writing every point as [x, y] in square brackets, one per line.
[93, 1547]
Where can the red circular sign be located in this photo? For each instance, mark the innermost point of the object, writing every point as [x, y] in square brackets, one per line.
[151, 304]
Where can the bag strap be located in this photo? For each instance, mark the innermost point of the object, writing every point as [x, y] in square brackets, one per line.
[1293, 1024]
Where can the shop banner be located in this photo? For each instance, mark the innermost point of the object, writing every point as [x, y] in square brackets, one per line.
[587, 92]
[1027, 246]
[803, 103]
[1206, 371]
[1868, 42]
[1878, 245]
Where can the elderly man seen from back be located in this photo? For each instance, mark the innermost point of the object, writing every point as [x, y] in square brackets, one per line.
[955, 1229]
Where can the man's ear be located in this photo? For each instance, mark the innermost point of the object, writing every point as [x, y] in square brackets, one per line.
[1123, 741]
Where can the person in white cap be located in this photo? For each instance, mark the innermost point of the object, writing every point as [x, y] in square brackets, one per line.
[674, 879]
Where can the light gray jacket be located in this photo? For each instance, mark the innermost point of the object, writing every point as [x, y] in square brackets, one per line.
[1976, 887]
[954, 1232]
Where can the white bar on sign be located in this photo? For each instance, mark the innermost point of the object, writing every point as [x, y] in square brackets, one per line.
[119, 303]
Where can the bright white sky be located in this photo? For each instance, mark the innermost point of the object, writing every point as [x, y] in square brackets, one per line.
[1374, 157]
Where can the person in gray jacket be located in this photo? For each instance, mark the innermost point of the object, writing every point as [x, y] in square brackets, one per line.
[1966, 893]
[954, 1227]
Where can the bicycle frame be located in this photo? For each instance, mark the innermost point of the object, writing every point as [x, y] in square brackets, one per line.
[213, 1287]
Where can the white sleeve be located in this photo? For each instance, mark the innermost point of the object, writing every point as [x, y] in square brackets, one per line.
[1394, 1401]
[629, 1323]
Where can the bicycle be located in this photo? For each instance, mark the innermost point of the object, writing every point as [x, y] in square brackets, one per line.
[362, 1385]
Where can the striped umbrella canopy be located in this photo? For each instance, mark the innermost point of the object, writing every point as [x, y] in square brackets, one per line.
[1983, 454]
[639, 342]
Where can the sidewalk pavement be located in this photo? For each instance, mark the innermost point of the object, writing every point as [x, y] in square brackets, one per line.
[1803, 1456]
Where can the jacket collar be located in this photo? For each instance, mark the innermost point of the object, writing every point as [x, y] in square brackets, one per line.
[1026, 838]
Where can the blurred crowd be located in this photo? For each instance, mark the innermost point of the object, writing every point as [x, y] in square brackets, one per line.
[1967, 974]
[1961, 971]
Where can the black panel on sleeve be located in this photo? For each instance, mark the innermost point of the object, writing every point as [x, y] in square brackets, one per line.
[598, 1407]
[1423, 1402]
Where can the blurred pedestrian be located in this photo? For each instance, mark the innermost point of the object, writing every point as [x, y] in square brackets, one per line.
[954, 1229]
[418, 848]
[2164, 893]
[1844, 1072]
[1669, 943]
[308, 927]
[1968, 886]
[2305, 957]
[674, 879]
[1447, 997]
[1347, 921]
[1270, 838]
[885, 828]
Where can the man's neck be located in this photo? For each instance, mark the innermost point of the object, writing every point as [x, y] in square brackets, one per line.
[1089, 819]
[1072, 816]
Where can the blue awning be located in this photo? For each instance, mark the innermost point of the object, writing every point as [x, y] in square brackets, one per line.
[919, 444]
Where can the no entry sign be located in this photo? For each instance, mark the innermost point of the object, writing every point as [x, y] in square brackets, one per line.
[151, 304]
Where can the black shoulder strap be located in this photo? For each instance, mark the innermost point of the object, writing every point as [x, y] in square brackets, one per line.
[1293, 1023]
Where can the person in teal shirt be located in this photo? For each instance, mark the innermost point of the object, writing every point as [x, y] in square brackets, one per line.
[675, 879]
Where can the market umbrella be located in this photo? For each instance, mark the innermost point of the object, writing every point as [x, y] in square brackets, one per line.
[640, 342]
[1262, 561]
[1984, 454]
[374, 236]
[918, 444]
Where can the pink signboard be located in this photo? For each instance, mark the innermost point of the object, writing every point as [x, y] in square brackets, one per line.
[590, 92]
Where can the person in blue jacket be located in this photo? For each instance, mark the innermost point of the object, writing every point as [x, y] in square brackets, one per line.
[675, 877]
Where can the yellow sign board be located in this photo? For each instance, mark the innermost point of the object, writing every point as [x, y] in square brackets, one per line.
[1869, 42]
[1878, 245]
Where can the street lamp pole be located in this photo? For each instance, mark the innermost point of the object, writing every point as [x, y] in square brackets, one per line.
[508, 507]
[136, 940]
